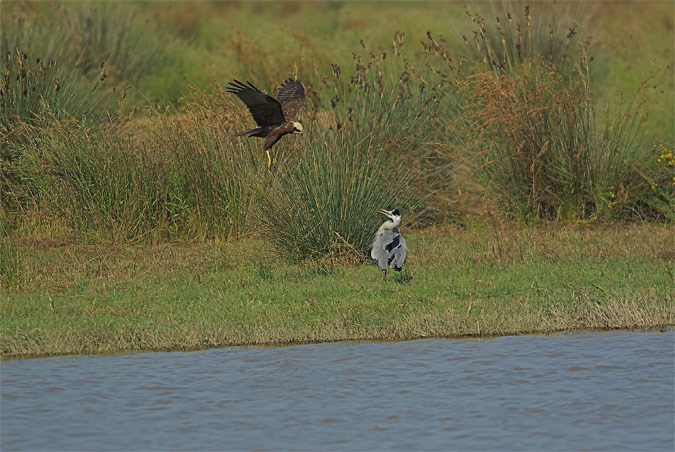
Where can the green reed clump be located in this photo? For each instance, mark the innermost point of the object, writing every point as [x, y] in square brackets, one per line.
[210, 175]
[90, 180]
[325, 203]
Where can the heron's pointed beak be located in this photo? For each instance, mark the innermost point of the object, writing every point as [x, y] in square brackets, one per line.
[384, 212]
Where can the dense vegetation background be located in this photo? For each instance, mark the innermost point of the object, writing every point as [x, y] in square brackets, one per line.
[114, 126]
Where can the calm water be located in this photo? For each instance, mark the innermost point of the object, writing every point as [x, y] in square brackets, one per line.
[578, 391]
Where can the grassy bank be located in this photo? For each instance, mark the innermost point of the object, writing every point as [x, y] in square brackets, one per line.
[481, 280]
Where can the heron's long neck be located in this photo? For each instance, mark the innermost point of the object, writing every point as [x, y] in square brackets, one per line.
[390, 224]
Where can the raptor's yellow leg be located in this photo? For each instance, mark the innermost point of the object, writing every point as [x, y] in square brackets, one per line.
[270, 159]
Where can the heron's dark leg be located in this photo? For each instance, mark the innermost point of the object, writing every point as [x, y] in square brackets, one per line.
[385, 274]
[405, 275]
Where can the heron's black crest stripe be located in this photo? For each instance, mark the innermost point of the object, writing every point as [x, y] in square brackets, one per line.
[395, 212]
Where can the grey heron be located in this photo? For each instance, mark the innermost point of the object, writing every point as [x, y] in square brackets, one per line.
[389, 247]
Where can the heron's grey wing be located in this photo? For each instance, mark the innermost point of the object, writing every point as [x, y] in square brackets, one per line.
[400, 254]
[378, 253]
[291, 97]
[266, 111]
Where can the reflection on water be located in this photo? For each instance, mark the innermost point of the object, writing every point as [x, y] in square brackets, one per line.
[576, 391]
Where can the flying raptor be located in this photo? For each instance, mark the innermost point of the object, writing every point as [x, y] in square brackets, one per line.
[275, 117]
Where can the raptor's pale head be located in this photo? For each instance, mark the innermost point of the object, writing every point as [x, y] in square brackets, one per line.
[297, 127]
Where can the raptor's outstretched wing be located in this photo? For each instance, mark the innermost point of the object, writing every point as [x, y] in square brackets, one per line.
[291, 97]
[266, 111]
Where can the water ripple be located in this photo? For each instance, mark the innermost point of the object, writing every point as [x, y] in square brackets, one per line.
[575, 391]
